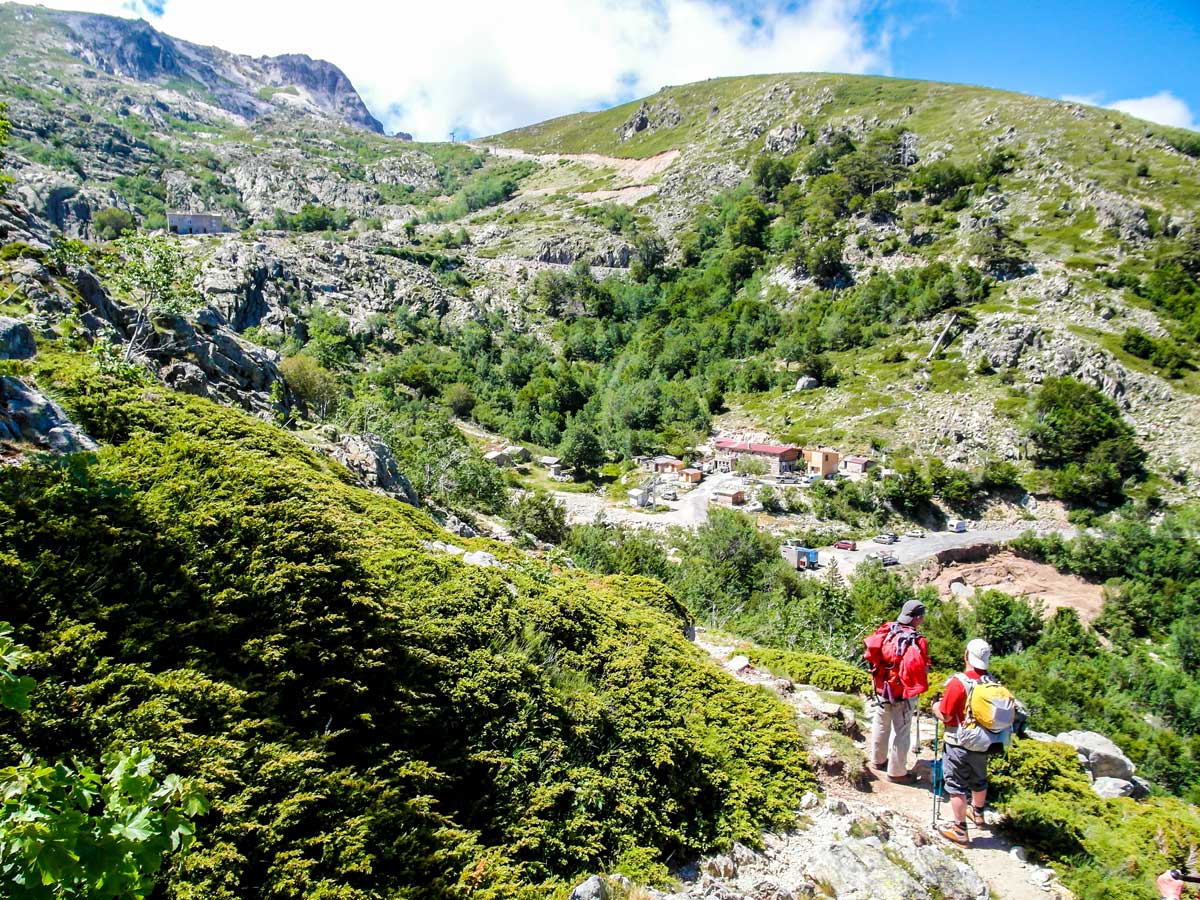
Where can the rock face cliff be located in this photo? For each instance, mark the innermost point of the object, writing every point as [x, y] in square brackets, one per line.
[245, 86]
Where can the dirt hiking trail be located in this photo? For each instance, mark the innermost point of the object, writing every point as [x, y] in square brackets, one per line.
[990, 854]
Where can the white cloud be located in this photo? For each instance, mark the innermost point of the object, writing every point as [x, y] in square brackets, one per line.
[1164, 108]
[1084, 99]
[484, 66]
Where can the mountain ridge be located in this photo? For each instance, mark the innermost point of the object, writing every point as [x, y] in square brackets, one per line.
[241, 84]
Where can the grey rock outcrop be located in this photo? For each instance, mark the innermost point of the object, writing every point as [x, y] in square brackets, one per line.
[371, 462]
[16, 339]
[29, 417]
[481, 558]
[894, 861]
[1100, 756]
[242, 85]
[785, 138]
[1001, 343]
[594, 888]
[1111, 788]
[650, 117]
[567, 248]
[1115, 213]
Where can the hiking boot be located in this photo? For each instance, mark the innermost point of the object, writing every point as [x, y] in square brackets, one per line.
[975, 814]
[906, 778]
[957, 832]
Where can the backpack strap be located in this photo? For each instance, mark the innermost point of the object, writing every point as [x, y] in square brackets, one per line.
[968, 685]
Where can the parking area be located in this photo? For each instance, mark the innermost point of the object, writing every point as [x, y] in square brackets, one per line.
[911, 549]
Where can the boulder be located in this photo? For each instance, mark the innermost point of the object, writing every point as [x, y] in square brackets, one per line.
[481, 558]
[946, 877]
[371, 461]
[595, 888]
[785, 138]
[1042, 878]
[185, 377]
[1111, 788]
[27, 416]
[1141, 788]
[737, 663]
[806, 383]
[852, 870]
[16, 339]
[1103, 758]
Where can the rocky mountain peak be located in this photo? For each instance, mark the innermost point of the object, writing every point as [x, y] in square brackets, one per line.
[325, 83]
[132, 48]
[246, 86]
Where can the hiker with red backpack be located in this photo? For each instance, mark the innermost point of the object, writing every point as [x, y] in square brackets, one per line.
[898, 658]
[979, 714]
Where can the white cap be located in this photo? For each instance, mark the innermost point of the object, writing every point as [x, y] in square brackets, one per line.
[979, 654]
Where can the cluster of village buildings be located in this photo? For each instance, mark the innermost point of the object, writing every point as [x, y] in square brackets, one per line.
[779, 460]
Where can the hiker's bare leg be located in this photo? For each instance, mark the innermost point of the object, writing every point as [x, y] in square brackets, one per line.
[979, 798]
[958, 806]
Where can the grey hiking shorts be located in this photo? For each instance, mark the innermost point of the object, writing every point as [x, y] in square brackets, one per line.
[964, 770]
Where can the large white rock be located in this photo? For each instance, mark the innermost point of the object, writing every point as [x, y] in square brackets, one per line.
[1103, 758]
[1111, 788]
[595, 888]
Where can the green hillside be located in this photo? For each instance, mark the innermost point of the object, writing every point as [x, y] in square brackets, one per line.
[367, 716]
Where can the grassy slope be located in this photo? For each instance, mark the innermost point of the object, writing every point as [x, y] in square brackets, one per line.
[368, 716]
[942, 114]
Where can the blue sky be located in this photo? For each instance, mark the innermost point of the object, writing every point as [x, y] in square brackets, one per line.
[483, 66]
[1103, 50]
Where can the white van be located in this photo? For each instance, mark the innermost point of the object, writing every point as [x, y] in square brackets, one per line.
[959, 525]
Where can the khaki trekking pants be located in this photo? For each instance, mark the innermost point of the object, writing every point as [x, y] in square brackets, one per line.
[891, 724]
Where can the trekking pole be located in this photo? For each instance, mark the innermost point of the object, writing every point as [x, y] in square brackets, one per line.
[935, 772]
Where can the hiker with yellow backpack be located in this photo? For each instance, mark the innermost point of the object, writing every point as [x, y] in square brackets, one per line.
[979, 714]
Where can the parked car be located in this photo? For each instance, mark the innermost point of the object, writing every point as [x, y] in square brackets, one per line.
[884, 539]
[871, 555]
[670, 494]
[958, 525]
[845, 545]
[888, 560]
[915, 533]
[786, 479]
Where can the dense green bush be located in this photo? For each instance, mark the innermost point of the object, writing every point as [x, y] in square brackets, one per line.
[1081, 435]
[112, 222]
[313, 217]
[1104, 849]
[822, 672]
[368, 717]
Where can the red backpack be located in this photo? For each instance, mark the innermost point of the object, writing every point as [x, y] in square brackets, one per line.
[897, 662]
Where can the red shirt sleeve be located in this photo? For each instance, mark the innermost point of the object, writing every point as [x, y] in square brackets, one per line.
[954, 703]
